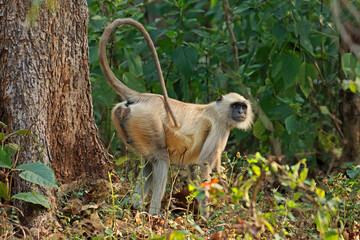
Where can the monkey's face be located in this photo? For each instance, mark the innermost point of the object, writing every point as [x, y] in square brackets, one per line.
[237, 109]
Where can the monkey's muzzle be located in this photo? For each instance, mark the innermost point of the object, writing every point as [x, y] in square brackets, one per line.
[240, 118]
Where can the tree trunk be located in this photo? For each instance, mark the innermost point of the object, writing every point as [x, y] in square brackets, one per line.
[350, 116]
[44, 83]
[350, 108]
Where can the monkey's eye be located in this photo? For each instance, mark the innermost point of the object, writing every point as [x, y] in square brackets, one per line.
[219, 99]
[239, 105]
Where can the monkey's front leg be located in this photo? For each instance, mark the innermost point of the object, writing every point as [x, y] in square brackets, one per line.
[160, 174]
[209, 157]
[205, 171]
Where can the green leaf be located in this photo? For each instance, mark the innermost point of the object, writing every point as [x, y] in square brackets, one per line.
[177, 236]
[274, 167]
[200, 32]
[307, 45]
[303, 174]
[191, 187]
[290, 68]
[290, 122]
[133, 82]
[348, 63]
[352, 173]
[108, 232]
[134, 62]
[2, 136]
[4, 191]
[241, 8]
[185, 59]
[324, 141]
[269, 226]
[33, 198]
[121, 160]
[324, 110]
[5, 159]
[322, 221]
[165, 44]
[305, 77]
[303, 27]
[352, 87]
[3, 124]
[171, 34]
[200, 195]
[12, 148]
[331, 235]
[357, 70]
[185, 89]
[196, 11]
[21, 132]
[279, 129]
[256, 170]
[93, 52]
[38, 173]
[258, 129]
[279, 32]
[276, 68]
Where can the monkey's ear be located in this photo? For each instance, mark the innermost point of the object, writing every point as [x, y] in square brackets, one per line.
[219, 99]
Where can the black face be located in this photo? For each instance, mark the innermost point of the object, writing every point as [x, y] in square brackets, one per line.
[238, 111]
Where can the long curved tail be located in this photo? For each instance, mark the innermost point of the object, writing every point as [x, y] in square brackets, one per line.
[116, 84]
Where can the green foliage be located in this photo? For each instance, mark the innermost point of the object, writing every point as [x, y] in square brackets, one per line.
[5, 159]
[4, 191]
[288, 62]
[351, 67]
[297, 194]
[33, 197]
[346, 187]
[37, 172]
[289, 65]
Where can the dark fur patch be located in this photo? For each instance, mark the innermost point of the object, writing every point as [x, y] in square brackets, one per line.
[219, 99]
[128, 103]
[121, 114]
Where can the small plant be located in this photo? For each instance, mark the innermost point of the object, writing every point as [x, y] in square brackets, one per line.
[346, 187]
[36, 172]
[351, 68]
[269, 199]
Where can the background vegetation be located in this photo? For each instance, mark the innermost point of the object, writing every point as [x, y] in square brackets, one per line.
[287, 64]
[282, 55]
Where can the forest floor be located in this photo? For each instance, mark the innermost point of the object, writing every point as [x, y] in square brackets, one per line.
[102, 210]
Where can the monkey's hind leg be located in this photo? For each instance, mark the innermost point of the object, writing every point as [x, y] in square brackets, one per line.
[143, 186]
[160, 174]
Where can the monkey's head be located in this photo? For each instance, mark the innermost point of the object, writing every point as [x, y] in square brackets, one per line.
[237, 109]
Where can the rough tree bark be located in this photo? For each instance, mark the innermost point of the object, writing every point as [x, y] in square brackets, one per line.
[44, 82]
[350, 102]
[344, 13]
[350, 116]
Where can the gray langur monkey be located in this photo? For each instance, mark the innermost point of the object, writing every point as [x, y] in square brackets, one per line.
[166, 131]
